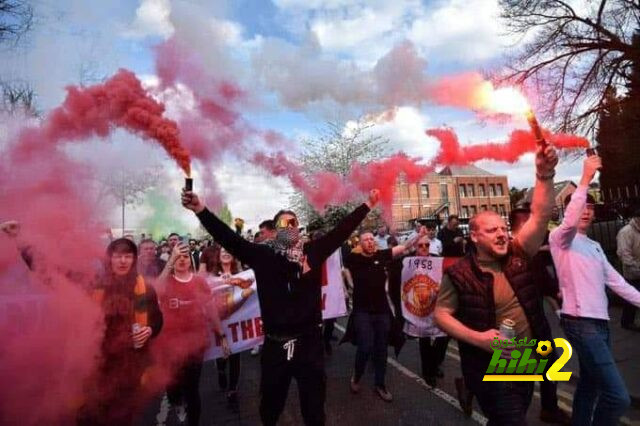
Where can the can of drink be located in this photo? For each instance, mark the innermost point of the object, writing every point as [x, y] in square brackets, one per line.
[508, 328]
[135, 328]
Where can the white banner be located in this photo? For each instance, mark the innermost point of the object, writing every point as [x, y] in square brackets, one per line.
[421, 278]
[240, 310]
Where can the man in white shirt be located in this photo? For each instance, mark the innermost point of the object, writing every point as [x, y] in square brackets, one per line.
[435, 245]
[628, 240]
[381, 238]
[583, 272]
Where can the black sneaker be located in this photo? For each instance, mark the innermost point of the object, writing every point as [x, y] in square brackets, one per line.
[232, 401]
[557, 416]
[431, 381]
[383, 393]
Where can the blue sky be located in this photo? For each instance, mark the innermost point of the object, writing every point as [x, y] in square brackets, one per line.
[75, 40]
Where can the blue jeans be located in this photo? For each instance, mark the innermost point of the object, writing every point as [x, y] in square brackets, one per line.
[601, 396]
[372, 337]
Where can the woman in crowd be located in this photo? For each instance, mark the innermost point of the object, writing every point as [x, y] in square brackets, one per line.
[431, 339]
[189, 309]
[131, 316]
[220, 267]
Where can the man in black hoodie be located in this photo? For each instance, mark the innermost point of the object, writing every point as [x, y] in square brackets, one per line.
[288, 275]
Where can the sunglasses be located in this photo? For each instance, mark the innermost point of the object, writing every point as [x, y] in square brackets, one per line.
[423, 245]
[287, 223]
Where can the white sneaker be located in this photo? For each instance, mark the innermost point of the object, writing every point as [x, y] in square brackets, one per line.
[255, 351]
[181, 412]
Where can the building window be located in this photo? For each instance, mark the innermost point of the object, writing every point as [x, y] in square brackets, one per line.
[471, 190]
[424, 190]
[474, 211]
[444, 192]
[465, 211]
[483, 208]
[500, 193]
[502, 210]
[492, 190]
[462, 191]
[481, 190]
[494, 208]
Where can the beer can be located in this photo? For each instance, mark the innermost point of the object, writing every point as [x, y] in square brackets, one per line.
[508, 328]
[135, 328]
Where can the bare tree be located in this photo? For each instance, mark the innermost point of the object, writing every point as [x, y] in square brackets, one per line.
[128, 186]
[16, 17]
[335, 150]
[574, 53]
[18, 97]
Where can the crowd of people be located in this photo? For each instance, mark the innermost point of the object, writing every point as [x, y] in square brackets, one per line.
[163, 291]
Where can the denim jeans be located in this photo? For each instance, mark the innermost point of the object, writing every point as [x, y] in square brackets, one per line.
[372, 337]
[505, 403]
[601, 396]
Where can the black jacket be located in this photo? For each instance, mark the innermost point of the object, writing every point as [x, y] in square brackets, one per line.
[290, 301]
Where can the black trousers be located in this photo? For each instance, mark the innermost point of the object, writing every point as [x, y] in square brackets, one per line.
[329, 326]
[186, 388]
[629, 310]
[306, 365]
[432, 354]
[549, 390]
[230, 381]
[505, 403]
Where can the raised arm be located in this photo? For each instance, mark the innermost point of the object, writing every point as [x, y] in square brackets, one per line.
[399, 250]
[564, 234]
[240, 248]
[534, 229]
[332, 241]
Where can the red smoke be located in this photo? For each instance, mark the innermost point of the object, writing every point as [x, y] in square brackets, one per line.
[97, 110]
[325, 188]
[520, 142]
[51, 329]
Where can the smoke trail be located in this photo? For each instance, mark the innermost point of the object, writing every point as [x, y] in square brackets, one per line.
[519, 142]
[97, 110]
[325, 188]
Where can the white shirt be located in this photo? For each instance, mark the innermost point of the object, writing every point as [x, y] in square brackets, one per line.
[582, 267]
[382, 242]
[435, 247]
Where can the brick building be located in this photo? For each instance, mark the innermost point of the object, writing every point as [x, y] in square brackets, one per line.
[561, 190]
[461, 190]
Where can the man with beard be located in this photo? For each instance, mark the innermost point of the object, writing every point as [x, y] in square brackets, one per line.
[288, 275]
[493, 283]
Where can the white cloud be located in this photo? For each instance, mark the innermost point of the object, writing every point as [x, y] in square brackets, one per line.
[462, 30]
[406, 132]
[252, 194]
[152, 19]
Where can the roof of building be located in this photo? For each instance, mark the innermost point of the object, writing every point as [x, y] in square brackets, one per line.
[557, 189]
[469, 170]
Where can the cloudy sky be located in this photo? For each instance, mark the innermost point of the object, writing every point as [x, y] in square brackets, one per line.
[300, 63]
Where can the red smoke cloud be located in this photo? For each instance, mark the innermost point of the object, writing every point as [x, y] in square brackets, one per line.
[51, 329]
[325, 188]
[520, 142]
